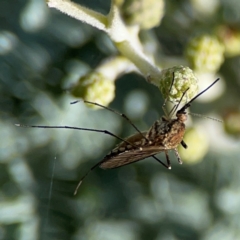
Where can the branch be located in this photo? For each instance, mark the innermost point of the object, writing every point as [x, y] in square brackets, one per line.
[148, 69]
[83, 14]
[125, 38]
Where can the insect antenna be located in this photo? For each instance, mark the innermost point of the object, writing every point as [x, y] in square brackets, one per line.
[203, 116]
[187, 105]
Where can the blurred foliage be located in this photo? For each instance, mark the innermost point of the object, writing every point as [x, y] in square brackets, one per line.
[43, 52]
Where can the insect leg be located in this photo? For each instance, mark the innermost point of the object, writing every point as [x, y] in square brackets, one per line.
[178, 156]
[81, 180]
[169, 167]
[81, 129]
[184, 144]
[166, 99]
[175, 107]
[116, 112]
[168, 160]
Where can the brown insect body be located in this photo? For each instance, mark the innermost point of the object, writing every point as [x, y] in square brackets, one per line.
[162, 136]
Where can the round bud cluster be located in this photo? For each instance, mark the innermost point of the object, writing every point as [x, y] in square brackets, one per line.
[145, 13]
[205, 53]
[175, 81]
[231, 40]
[95, 87]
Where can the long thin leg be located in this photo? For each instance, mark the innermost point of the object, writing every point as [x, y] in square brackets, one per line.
[184, 93]
[168, 160]
[172, 111]
[114, 111]
[175, 107]
[178, 156]
[81, 180]
[166, 99]
[184, 144]
[158, 160]
[99, 163]
[77, 128]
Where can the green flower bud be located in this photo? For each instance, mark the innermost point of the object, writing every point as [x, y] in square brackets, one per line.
[232, 122]
[205, 53]
[198, 145]
[231, 40]
[145, 13]
[183, 79]
[95, 87]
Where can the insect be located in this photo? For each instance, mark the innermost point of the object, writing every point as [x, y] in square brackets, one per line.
[164, 135]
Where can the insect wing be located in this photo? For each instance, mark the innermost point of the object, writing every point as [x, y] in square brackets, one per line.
[128, 157]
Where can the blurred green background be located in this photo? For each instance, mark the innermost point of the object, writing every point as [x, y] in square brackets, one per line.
[41, 53]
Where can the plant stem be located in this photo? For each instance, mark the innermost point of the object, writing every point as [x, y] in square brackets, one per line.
[125, 38]
[81, 13]
[148, 69]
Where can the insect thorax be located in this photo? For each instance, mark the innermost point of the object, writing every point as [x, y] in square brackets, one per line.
[166, 133]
